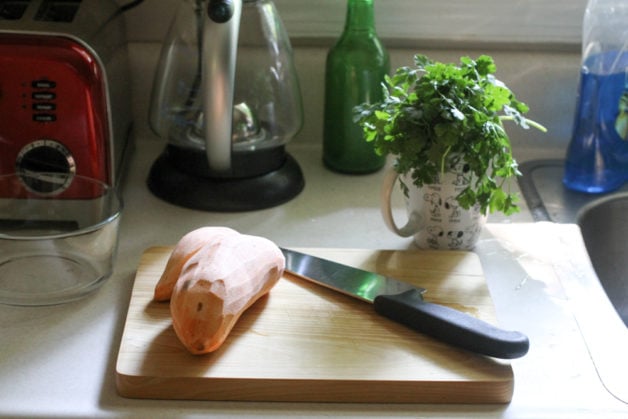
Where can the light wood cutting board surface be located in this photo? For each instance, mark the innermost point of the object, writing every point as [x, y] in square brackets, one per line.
[304, 342]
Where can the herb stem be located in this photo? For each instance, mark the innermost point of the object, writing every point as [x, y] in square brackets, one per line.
[527, 121]
[442, 161]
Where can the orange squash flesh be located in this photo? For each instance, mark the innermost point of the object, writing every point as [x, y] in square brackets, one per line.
[217, 283]
[185, 248]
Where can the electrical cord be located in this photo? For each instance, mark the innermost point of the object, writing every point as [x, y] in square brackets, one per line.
[124, 8]
[129, 6]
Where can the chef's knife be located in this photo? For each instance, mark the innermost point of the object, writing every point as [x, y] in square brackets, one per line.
[403, 303]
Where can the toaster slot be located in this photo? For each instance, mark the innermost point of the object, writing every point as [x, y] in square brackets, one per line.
[13, 9]
[58, 10]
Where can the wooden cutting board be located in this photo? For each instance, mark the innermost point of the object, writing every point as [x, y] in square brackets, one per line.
[304, 342]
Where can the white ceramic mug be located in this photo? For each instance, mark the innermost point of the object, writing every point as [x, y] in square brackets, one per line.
[435, 218]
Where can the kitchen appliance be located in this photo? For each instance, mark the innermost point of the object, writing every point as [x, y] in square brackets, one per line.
[64, 95]
[227, 99]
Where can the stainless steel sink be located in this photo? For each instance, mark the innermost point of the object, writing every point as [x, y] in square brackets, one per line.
[603, 220]
[547, 198]
[598, 297]
[604, 226]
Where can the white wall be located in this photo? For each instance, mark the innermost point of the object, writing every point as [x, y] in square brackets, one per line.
[535, 43]
[541, 23]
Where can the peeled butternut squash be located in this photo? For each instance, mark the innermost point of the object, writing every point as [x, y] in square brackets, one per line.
[185, 248]
[217, 283]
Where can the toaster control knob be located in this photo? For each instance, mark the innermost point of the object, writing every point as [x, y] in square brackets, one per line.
[45, 167]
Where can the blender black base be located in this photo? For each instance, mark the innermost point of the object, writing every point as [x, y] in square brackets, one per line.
[225, 194]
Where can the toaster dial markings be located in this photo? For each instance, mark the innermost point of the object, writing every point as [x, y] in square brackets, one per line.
[45, 167]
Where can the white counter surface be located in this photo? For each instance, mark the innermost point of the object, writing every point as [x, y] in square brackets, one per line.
[59, 361]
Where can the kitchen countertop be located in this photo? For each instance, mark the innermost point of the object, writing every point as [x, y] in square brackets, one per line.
[59, 361]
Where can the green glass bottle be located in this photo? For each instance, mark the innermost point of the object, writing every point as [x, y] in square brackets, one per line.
[355, 69]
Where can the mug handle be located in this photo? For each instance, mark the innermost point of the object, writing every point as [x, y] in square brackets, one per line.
[411, 227]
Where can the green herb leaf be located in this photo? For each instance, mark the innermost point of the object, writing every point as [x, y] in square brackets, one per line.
[434, 112]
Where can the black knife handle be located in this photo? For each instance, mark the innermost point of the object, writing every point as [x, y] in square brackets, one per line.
[451, 326]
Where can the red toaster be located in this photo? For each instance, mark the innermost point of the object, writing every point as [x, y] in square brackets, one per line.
[64, 95]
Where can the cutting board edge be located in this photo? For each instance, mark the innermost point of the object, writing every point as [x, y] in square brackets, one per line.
[316, 391]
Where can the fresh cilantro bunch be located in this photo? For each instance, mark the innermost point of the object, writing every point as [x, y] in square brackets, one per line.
[435, 113]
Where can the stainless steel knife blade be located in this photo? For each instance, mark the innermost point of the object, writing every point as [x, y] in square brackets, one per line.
[404, 303]
[354, 282]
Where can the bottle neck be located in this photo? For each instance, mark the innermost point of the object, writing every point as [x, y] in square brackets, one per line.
[360, 16]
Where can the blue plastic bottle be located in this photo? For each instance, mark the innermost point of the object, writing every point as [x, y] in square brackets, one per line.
[597, 157]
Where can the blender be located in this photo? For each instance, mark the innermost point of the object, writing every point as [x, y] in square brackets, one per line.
[227, 99]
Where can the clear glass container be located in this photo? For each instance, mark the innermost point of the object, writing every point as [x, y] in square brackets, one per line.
[267, 108]
[54, 250]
